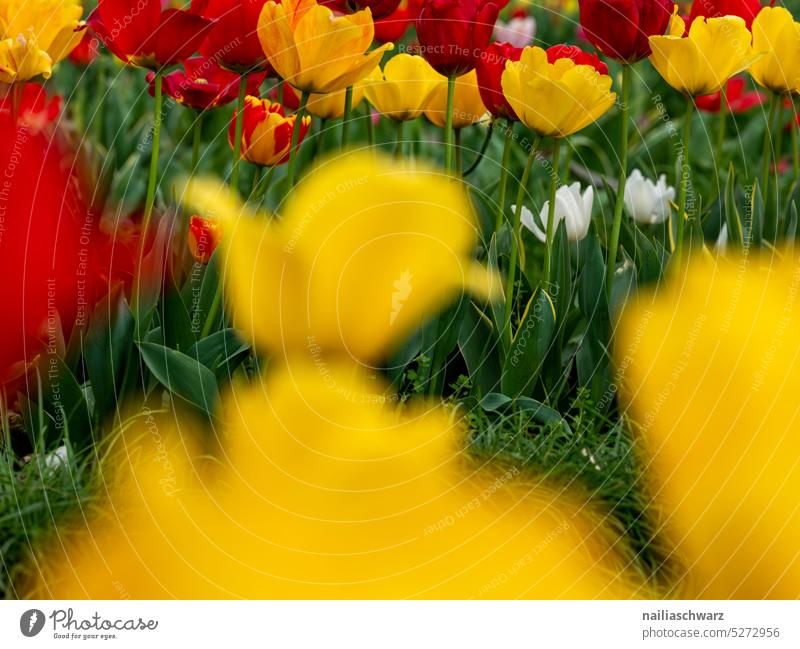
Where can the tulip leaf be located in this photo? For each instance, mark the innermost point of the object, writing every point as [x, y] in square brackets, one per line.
[65, 402]
[480, 349]
[494, 401]
[219, 349]
[791, 226]
[755, 225]
[732, 218]
[184, 376]
[530, 346]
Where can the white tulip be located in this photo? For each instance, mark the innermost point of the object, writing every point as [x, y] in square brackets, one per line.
[572, 207]
[646, 201]
[518, 31]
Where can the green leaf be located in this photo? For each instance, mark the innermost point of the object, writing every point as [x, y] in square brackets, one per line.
[494, 401]
[478, 344]
[182, 375]
[219, 348]
[540, 412]
[65, 402]
[732, 217]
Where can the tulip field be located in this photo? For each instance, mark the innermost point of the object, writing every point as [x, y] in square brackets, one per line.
[439, 299]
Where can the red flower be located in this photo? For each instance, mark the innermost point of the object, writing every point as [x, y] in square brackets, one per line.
[393, 27]
[576, 54]
[288, 97]
[737, 100]
[489, 69]
[233, 39]
[86, 51]
[453, 33]
[378, 8]
[35, 110]
[621, 28]
[204, 237]
[746, 9]
[203, 85]
[140, 33]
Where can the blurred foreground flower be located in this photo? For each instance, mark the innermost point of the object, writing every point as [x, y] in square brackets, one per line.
[204, 237]
[35, 35]
[266, 132]
[711, 374]
[646, 201]
[572, 207]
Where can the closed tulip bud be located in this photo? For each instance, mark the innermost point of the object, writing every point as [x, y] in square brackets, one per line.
[745, 9]
[404, 88]
[490, 67]
[453, 33]
[620, 29]
[468, 106]
[646, 201]
[777, 36]
[232, 40]
[266, 132]
[572, 207]
[204, 237]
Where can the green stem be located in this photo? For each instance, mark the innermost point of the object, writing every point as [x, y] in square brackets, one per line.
[482, 152]
[765, 157]
[263, 186]
[256, 181]
[398, 147]
[348, 107]
[448, 125]
[151, 183]
[457, 142]
[293, 152]
[551, 213]
[503, 183]
[613, 243]
[370, 130]
[684, 180]
[100, 81]
[723, 116]
[319, 142]
[512, 264]
[212, 312]
[237, 144]
[197, 138]
[795, 149]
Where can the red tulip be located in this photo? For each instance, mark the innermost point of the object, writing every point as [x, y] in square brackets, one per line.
[737, 100]
[489, 69]
[86, 51]
[233, 39]
[576, 54]
[143, 35]
[453, 33]
[378, 8]
[746, 9]
[266, 132]
[621, 28]
[393, 27]
[203, 85]
[204, 237]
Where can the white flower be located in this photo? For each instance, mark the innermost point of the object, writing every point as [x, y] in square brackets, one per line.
[648, 202]
[519, 31]
[575, 209]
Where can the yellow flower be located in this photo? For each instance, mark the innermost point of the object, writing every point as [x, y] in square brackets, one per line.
[777, 35]
[365, 249]
[702, 62]
[325, 490]
[331, 105]
[314, 50]
[36, 34]
[468, 106]
[266, 132]
[555, 99]
[403, 89]
[712, 373]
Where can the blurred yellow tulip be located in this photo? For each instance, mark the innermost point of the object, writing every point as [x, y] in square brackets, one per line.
[702, 62]
[777, 36]
[314, 50]
[360, 230]
[325, 490]
[404, 87]
[555, 99]
[468, 107]
[712, 373]
[36, 34]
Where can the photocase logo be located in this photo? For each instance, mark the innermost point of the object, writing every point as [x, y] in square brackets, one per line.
[31, 622]
[402, 289]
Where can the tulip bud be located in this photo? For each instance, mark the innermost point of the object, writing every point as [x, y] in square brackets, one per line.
[646, 201]
[572, 207]
[453, 33]
[490, 68]
[204, 237]
[621, 28]
[266, 132]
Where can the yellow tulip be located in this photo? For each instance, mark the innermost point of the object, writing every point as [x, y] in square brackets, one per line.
[555, 99]
[702, 62]
[777, 36]
[358, 231]
[468, 106]
[331, 105]
[314, 50]
[325, 490]
[712, 373]
[36, 34]
[403, 88]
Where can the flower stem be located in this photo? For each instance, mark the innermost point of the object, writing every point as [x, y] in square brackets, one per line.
[398, 148]
[795, 149]
[448, 126]
[765, 157]
[370, 130]
[482, 152]
[613, 242]
[551, 212]
[512, 265]
[151, 183]
[684, 179]
[237, 144]
[293, 151]
[197, 138]
[458, 151]
[503, 183]
[348, 107]
[723, 116]
[263, 186]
